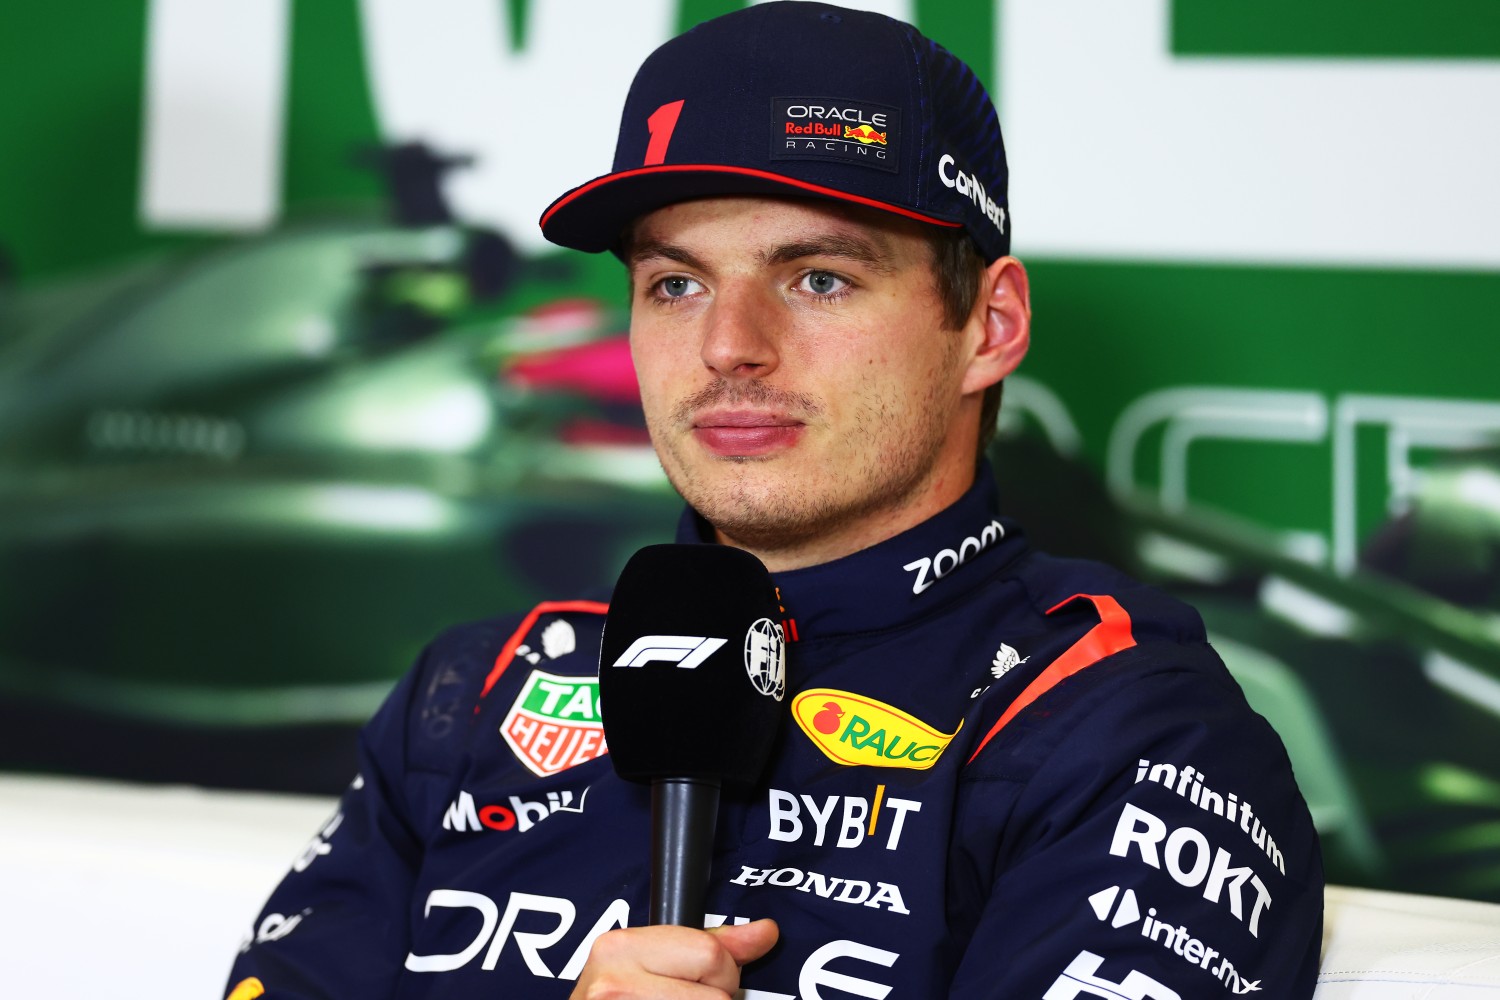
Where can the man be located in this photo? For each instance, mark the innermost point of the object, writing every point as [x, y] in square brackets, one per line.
[1003, 774]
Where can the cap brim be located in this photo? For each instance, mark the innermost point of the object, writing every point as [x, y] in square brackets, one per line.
[592, 216]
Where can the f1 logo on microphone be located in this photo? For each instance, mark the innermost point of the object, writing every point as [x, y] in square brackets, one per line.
[687, 651]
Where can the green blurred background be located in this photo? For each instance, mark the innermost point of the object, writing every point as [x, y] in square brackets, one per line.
[288, 380]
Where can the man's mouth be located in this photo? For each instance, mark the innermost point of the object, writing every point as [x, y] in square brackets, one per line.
[745, 433]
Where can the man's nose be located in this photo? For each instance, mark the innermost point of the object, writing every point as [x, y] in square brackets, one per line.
[741, 335]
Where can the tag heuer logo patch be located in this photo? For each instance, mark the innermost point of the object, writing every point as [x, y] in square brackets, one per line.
[554, 723]
[825, 128]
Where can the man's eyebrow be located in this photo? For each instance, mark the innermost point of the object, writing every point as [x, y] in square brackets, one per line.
[644, 250]
[874, 254]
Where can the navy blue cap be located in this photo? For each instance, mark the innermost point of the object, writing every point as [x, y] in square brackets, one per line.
[801, 99]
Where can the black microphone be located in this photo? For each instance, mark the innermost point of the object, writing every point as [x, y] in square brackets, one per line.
[692, 672]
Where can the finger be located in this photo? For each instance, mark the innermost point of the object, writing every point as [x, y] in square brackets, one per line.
[747, 942]
[658, 962]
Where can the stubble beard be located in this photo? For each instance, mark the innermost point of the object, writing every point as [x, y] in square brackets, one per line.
[755, 506]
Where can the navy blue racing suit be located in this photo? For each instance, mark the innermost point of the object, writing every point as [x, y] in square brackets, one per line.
[1001, 774]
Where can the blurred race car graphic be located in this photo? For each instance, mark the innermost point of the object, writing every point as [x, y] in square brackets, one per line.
[240, 487]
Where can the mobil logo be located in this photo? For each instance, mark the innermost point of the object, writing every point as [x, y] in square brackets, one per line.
[855, 730]
[554, 723]
[464, 815]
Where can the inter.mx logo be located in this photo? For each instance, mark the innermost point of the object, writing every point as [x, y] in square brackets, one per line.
[1122, 909]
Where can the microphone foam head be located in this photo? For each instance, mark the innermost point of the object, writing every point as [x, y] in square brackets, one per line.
[692, 668]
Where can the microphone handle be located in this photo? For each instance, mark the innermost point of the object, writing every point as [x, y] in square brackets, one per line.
[684, 813]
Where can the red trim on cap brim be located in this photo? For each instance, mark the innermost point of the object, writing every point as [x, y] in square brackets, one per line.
[719, 168]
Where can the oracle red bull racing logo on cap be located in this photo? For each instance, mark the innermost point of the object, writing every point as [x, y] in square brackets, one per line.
[823, 128]
[855, 730]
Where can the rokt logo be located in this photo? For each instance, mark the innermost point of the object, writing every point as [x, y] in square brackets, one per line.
[1185, 854]
[855, 730]
[948, 560]
[1189, 783]
[687, 651]
[521, 815]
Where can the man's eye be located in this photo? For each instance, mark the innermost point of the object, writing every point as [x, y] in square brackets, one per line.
[824, 283]
[676, 288]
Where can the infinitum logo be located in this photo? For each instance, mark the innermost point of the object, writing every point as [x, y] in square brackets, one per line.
[1190, 783]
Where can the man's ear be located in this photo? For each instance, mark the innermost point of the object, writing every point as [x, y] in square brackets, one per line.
[1002, 322]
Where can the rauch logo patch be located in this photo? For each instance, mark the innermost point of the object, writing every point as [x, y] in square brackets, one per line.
[555, 723]
[852, 729]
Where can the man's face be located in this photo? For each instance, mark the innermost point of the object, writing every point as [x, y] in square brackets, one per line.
[798, 383]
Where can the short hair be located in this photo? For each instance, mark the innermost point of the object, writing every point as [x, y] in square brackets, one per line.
[957, 269]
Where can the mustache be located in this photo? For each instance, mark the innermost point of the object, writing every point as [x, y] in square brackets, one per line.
[724, 393]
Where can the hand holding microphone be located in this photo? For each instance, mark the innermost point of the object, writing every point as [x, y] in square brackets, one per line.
[691, 682]
[692, 676]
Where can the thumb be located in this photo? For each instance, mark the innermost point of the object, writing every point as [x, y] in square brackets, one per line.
[747, 942]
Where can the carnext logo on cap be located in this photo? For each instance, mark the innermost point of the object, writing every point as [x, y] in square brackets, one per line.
[969, 186]
[826, 128]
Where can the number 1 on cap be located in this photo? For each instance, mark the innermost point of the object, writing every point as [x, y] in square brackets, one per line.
[661, 123]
